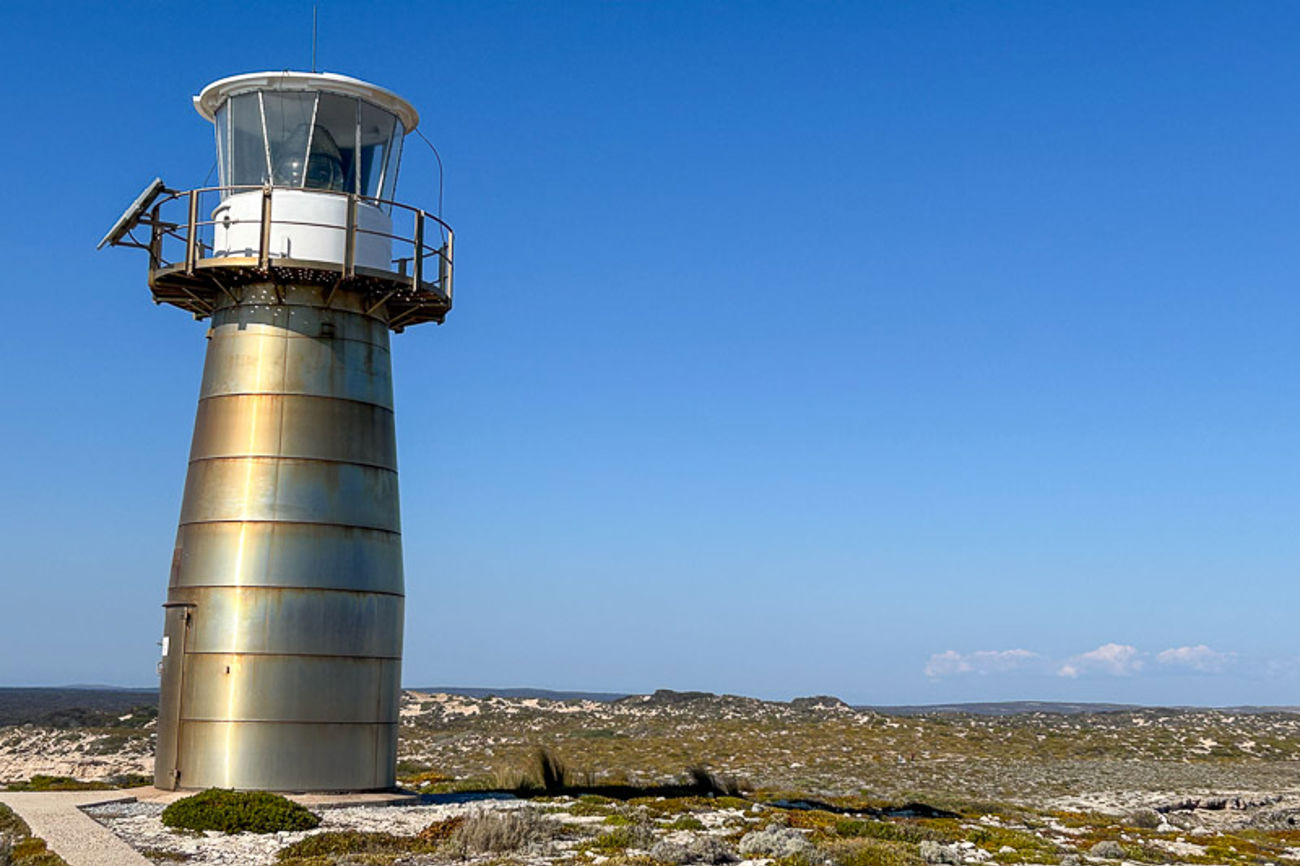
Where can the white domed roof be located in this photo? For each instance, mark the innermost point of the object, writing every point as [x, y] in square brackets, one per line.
[207, 102]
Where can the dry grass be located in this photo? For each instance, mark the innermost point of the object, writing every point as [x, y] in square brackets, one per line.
[502, 832]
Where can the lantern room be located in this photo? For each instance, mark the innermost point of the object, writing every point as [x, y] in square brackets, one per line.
[307, 131]
[305, 134]
[306, 193]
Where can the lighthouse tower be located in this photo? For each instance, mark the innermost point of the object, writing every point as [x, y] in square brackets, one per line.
[282, 640]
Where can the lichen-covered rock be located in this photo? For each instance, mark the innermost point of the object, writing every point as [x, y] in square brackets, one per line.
[672, 853]
[778, 843]
[711, 849]
[1147, 819]
[1108, 850]
[936, 852]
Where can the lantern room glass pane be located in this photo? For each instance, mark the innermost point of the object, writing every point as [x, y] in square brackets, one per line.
[334, 136]
[289, 133]
[376, 136]
[223, 144]
[247, 141]
[394, 161]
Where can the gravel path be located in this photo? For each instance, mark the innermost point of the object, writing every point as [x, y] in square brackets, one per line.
[69, 832]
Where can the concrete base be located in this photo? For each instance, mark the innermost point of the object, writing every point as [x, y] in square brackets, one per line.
[150, 794]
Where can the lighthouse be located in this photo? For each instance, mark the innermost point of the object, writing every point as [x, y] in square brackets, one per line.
[282, 637]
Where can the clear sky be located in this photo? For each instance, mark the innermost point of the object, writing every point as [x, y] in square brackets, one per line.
[907, 352]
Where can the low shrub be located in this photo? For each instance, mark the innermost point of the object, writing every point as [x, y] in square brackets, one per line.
[11, 826]
[32, 852]
[872, 852]
[888, 831]
[622, 838]
[501, 832]
[687, 822]
[237, 812]
[350, 842]
[18, 847]
[41, 782]
[441, 831]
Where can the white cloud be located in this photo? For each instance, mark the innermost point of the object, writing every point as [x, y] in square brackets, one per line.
[981, 662]
[1114, 659]
[1111, 659]
[1198, 658]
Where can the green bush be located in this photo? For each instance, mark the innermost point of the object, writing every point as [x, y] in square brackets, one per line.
[872, 852]
[346, 842]
[238, 811]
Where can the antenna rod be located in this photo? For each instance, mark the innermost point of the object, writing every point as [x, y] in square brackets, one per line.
[313, 37]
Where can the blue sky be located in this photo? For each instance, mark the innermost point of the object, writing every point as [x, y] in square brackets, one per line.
[907, 352]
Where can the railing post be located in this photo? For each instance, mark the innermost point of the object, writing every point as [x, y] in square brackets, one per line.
[446, 266]
[155, 238]
[417, 274]
[264, 253]
[191, 233]
[350, 242]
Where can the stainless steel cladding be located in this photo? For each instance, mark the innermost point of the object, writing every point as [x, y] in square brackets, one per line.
[282, 640]
[283, 637]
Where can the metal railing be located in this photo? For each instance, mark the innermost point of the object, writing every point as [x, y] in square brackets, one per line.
[183, 238]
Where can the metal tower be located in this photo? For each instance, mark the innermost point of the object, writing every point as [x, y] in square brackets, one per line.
[282, 642]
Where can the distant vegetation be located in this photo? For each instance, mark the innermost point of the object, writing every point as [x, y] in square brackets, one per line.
[75, 708]
[65, 783]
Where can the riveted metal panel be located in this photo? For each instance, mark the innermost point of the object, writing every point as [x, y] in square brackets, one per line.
[264, 360]
[288, 554]
[302, 491]
[268, 756]
[294, 426]
[252, 688]
[301, 321]
[282, 621]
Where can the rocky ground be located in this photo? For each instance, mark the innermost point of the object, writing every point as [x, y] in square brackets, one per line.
[818, 782]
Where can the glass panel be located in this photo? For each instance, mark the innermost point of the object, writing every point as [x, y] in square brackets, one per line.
[332, 163]
[376, 133]
[247, 147]
[289, 134]
[389, 190]
[223, 145]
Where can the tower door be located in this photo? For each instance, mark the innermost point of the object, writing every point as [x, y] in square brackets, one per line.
[171, 667]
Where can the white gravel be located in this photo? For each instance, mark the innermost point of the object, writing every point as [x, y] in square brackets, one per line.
[141, 826]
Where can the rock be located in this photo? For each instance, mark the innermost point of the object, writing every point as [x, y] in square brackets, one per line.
[1166, 827]
[702, 849]
[1145, 818]
[672, 853]
[1071, 860]
[935, 852]
[711, 849]
[1108, 850]
[1006, 849]
[777, 842]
